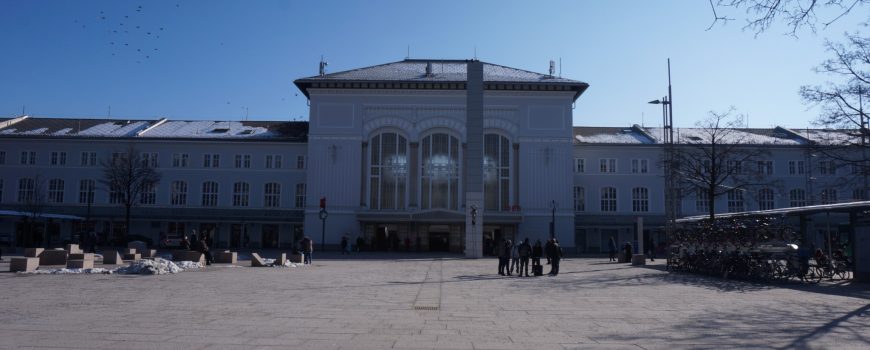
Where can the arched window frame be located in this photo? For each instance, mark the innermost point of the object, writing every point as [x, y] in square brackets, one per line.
[503, 186]
[453, 169]
[378, 196]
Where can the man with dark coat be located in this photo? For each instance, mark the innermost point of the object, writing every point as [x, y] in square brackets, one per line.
[524, 251]
[504, 258]
[555, 258]
[537, 252]
[548, 250]
[203, 248]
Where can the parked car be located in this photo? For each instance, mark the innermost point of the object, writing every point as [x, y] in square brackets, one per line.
[132, 238]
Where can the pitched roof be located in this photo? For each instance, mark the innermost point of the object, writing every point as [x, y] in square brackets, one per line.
[155, 129]
[449, 71]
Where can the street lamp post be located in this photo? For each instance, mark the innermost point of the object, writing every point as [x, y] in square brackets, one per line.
[668, 138]
[323, 215]
[553, 219]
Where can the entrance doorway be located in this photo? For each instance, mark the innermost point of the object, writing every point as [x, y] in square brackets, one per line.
[270, 236]
[236, 233]
[439, 241]
[209, 231]
[386, 237]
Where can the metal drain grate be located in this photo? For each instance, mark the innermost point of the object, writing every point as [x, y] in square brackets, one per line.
[427, 308]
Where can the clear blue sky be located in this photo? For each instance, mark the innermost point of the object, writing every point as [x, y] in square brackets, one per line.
[215, 58]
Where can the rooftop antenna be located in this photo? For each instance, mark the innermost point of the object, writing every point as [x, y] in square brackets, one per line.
[323, 65]
[641, 120]
[475, 52]
[23, 110]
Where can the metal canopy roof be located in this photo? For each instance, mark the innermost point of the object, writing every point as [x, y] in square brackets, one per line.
[792, 211]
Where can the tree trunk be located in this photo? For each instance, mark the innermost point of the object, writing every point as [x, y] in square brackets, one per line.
[711, 203]
[126, 224]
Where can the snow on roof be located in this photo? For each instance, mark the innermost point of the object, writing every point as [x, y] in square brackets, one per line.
[208, 129]
[75, 127]
[770, 136]
[610, 135]
[160, 128]
[831, 137]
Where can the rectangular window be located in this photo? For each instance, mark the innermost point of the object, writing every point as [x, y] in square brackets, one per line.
[273, 161]
[579, 198]
[702, 201]
[735, 167]
[241, 193]
[55, 191]
[300, 196]
[639, 166]
[150, 159]
[607, 165]
[211, 161]
[58, 158]
[243, 161]
[608, 199]
[180, 160]
[272, 195]
[858, 194]
[209, 194]
[765, 199]
[765, 167]
[89, 159]
[86, 191]
[735, 201]
[827, 168]
[2, 157]
[300, 162]
[115, 195]
[148, 195]
[639, 200]
[796, 167]
[28, 158]
[579, 165]
[26, 190]
[178, 193]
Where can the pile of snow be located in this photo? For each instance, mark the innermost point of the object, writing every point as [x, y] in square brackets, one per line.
[65, 271]
[157, 266]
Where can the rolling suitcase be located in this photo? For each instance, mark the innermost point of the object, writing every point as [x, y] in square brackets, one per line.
[538, 270]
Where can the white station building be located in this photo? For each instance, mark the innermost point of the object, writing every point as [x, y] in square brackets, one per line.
[424, 155]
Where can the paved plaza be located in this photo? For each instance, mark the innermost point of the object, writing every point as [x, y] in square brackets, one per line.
[375, 301]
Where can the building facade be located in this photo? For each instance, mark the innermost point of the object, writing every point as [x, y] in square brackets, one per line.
[387, 148]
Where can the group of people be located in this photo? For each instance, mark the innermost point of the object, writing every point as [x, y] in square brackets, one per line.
[199, 245]
[515, 257]
[628, 249]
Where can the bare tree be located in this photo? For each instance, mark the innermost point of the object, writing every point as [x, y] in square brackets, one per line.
[797, 14]
[716, 158]
[32, 202]
[128, 175]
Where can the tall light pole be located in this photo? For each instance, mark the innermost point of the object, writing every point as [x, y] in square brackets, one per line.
[323, 215]
[668, 138]
[553, 219]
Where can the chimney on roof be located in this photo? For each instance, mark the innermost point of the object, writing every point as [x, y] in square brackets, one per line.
[429, 69]
[552, 68]
[323, 65]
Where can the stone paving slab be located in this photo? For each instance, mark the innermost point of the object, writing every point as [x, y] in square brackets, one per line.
[380, 301]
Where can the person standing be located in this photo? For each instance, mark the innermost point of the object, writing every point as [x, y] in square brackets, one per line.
[555, 258]
[203, 248]
[515, 259]
[612, 249]
[537, 252]
[524, 251]
[193, 239]
[628, 251]
[344, 242]
[651, 249]
[504, 258]
[185, 244]
[548, 249]
[307, 248]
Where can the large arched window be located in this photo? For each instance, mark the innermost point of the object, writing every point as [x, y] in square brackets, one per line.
[388, 173]
[439, 178]
[496, 172]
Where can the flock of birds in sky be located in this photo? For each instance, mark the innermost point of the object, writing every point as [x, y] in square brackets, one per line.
[130, 34]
